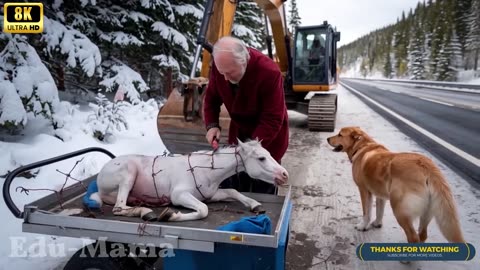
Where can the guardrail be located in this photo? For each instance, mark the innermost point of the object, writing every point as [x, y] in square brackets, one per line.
[465, 86]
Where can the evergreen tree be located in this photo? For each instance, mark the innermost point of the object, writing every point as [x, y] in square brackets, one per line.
[456, 56]
[462, 12]
[388, 67]
[142, 35]
[26, 86]
[294, 18]
[249, 24]
[473, 37]
[416, 54]
[438, 15]
[449, 57]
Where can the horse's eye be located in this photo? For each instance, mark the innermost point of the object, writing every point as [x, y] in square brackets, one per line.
[339, 135]
[261, 158]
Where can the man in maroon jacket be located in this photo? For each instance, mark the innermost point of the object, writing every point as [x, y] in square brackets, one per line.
[251, 86]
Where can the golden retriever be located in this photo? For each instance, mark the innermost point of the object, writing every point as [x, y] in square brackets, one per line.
[414, 185]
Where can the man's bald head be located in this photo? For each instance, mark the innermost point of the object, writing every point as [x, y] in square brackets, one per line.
[231, 57]
[233, 46]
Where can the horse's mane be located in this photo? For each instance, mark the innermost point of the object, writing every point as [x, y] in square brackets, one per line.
[253, 142]
[249, 142]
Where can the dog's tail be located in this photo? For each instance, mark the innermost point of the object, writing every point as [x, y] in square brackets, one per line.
[442, 207]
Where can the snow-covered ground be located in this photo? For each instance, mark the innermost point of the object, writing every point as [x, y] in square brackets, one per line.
[37, 142]
[23, 250]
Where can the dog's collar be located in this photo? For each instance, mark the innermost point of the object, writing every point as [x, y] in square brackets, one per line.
[363, 149]
[355, 152]
[353, 155]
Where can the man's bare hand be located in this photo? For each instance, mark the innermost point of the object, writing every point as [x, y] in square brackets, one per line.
[213, 133]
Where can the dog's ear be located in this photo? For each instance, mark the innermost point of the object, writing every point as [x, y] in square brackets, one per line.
[356, 135]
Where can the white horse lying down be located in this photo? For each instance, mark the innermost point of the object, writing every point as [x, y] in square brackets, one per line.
[183, 180]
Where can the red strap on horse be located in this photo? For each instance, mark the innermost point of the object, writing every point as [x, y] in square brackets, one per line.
[215, 143]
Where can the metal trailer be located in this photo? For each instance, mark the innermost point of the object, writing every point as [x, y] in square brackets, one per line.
[157, 245]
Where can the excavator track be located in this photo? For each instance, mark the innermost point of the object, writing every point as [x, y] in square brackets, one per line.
[322, 110]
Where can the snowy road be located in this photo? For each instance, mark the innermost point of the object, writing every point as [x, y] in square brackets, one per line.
[327, 203]
[454, 124]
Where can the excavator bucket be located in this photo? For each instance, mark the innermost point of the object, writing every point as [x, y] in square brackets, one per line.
[180, 121]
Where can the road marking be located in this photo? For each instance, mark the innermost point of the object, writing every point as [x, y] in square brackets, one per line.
[438, 140]
[394, 91]
[436, 101]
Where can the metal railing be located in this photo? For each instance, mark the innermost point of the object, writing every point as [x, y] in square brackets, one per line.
[463, 86]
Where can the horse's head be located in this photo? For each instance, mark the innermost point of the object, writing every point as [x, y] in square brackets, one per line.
[259, 164]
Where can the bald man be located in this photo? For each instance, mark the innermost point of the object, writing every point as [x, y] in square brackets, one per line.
[251, 86]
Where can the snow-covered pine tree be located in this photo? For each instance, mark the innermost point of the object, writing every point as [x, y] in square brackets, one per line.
[449, 56]
[66, 50]
[438, 57]
[294, 18]
[456, 56]
[396, 54]
[388, 67]
[461, 13]
[249, 24]
[139, 34]
[416, 54]
[473, 37]
[21, 93]
[107, 117]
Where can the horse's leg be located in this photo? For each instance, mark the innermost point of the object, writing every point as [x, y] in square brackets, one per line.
[187, 200]
[230, 193]
[121, 208]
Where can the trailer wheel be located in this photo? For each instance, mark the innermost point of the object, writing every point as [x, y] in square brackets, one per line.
[83, 260]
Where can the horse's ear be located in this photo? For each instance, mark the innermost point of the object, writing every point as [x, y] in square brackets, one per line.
[240, 143]
[258, 140]
[244, 146]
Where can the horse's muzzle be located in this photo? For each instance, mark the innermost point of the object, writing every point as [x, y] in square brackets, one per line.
[281, 177]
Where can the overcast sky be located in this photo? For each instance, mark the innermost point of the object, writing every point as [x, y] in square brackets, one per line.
[353, 18]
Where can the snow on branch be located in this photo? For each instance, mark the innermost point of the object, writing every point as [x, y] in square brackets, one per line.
[188, 9]
[163, 4]
[80, 21]
[166, 61]
[170, 34]
[11, 107]
[240, 30]
[24, 77]
[126, 80]
[86, 2]
[136, 17]
[121, 38]
[72, 43]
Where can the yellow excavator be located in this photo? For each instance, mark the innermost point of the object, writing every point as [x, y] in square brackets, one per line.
[308, 63]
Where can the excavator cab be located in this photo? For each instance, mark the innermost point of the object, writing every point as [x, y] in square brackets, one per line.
[314, 58]
[314, 69]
